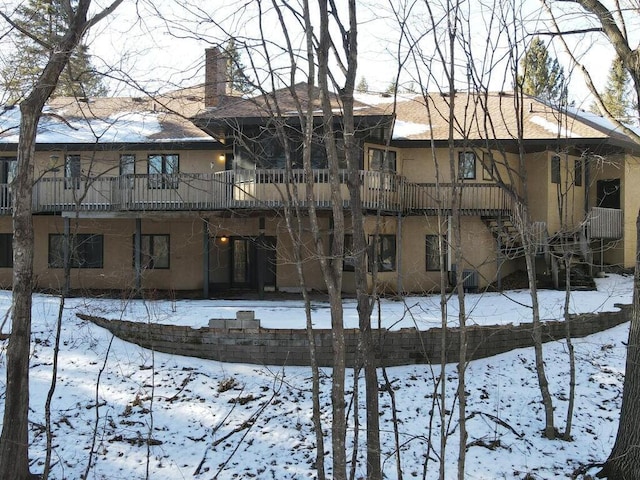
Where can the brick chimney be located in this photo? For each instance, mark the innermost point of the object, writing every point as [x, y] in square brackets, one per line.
[215, 76]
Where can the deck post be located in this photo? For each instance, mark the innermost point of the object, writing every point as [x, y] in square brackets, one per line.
[137, 253]
[67, 256]
[205, 258]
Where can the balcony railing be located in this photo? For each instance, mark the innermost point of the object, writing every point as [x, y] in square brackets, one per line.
[473, 198]
[605, 223]
[250, 189]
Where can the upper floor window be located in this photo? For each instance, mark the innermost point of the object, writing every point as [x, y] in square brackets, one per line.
[577, 173]
[382, 160]
[555, 169]
[72, 171]
[466, 166]
[163, 169]
[85, 250]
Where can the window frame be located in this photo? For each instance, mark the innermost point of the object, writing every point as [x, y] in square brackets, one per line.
[378, 251]
[488, 167]
[467, 171]
[148, 259]
[163, 176]
[382, 160]
[72, 171]
[86, 244]
[348, 262]
[556, 176]
[578, 172]
[430, 266]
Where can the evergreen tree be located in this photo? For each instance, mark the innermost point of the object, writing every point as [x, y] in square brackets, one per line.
[616, 93]
[47, 21]
[363, 86]
[542, 75]
[236, 69]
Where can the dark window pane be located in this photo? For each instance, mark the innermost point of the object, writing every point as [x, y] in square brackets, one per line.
[6, 250]
[555, 169]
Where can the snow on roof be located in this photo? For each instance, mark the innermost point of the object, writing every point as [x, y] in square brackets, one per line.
[552, 127]
[404, 130]
[65, 126]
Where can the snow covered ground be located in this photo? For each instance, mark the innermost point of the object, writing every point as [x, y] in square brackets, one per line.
[209, 419]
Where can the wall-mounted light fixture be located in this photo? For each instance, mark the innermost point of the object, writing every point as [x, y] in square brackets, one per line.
[53, 162]
[222, 157]
[224, 239]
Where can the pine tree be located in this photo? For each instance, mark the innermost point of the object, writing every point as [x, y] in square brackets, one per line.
[363, 85]
[616, 93]
[46, 20]
[236, 69]
[542, 75]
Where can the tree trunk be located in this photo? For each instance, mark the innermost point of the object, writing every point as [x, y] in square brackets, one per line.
[14, 442]
[624, 461]
[14, 448]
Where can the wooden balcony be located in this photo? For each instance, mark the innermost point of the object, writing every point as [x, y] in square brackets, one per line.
[483, 199]
[606, 223]
[251, 189]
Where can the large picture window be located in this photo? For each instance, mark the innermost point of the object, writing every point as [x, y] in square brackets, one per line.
[163, 170]
[383, 253]
[466, 166]
[433, 253]
[6, 250]
[86, 251]
[154, 251]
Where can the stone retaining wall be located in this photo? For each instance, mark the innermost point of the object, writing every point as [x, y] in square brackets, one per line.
[403, 347]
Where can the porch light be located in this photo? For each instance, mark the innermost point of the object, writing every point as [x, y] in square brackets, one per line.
[53, 162]
[222, 157]
[224, 239]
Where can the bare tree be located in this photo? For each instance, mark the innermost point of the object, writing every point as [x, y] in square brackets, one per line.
[611, 26]
[14, 441]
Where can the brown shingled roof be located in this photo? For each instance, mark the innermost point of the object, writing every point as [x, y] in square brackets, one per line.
[541, 121]
[282, 102]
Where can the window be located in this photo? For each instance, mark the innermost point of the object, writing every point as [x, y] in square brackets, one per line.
[163, 169]
[382, 160]
[555, 169]
[466, 166]
[154, 251]
[8, 167]
[348, 265]
[488, 167]
[6, 250]
[577, 173]
[433, 254]
[127, 170]
[72, 171]
[384, 253]
[86, 251]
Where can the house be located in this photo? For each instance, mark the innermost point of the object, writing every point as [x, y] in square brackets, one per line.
[185, 192]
